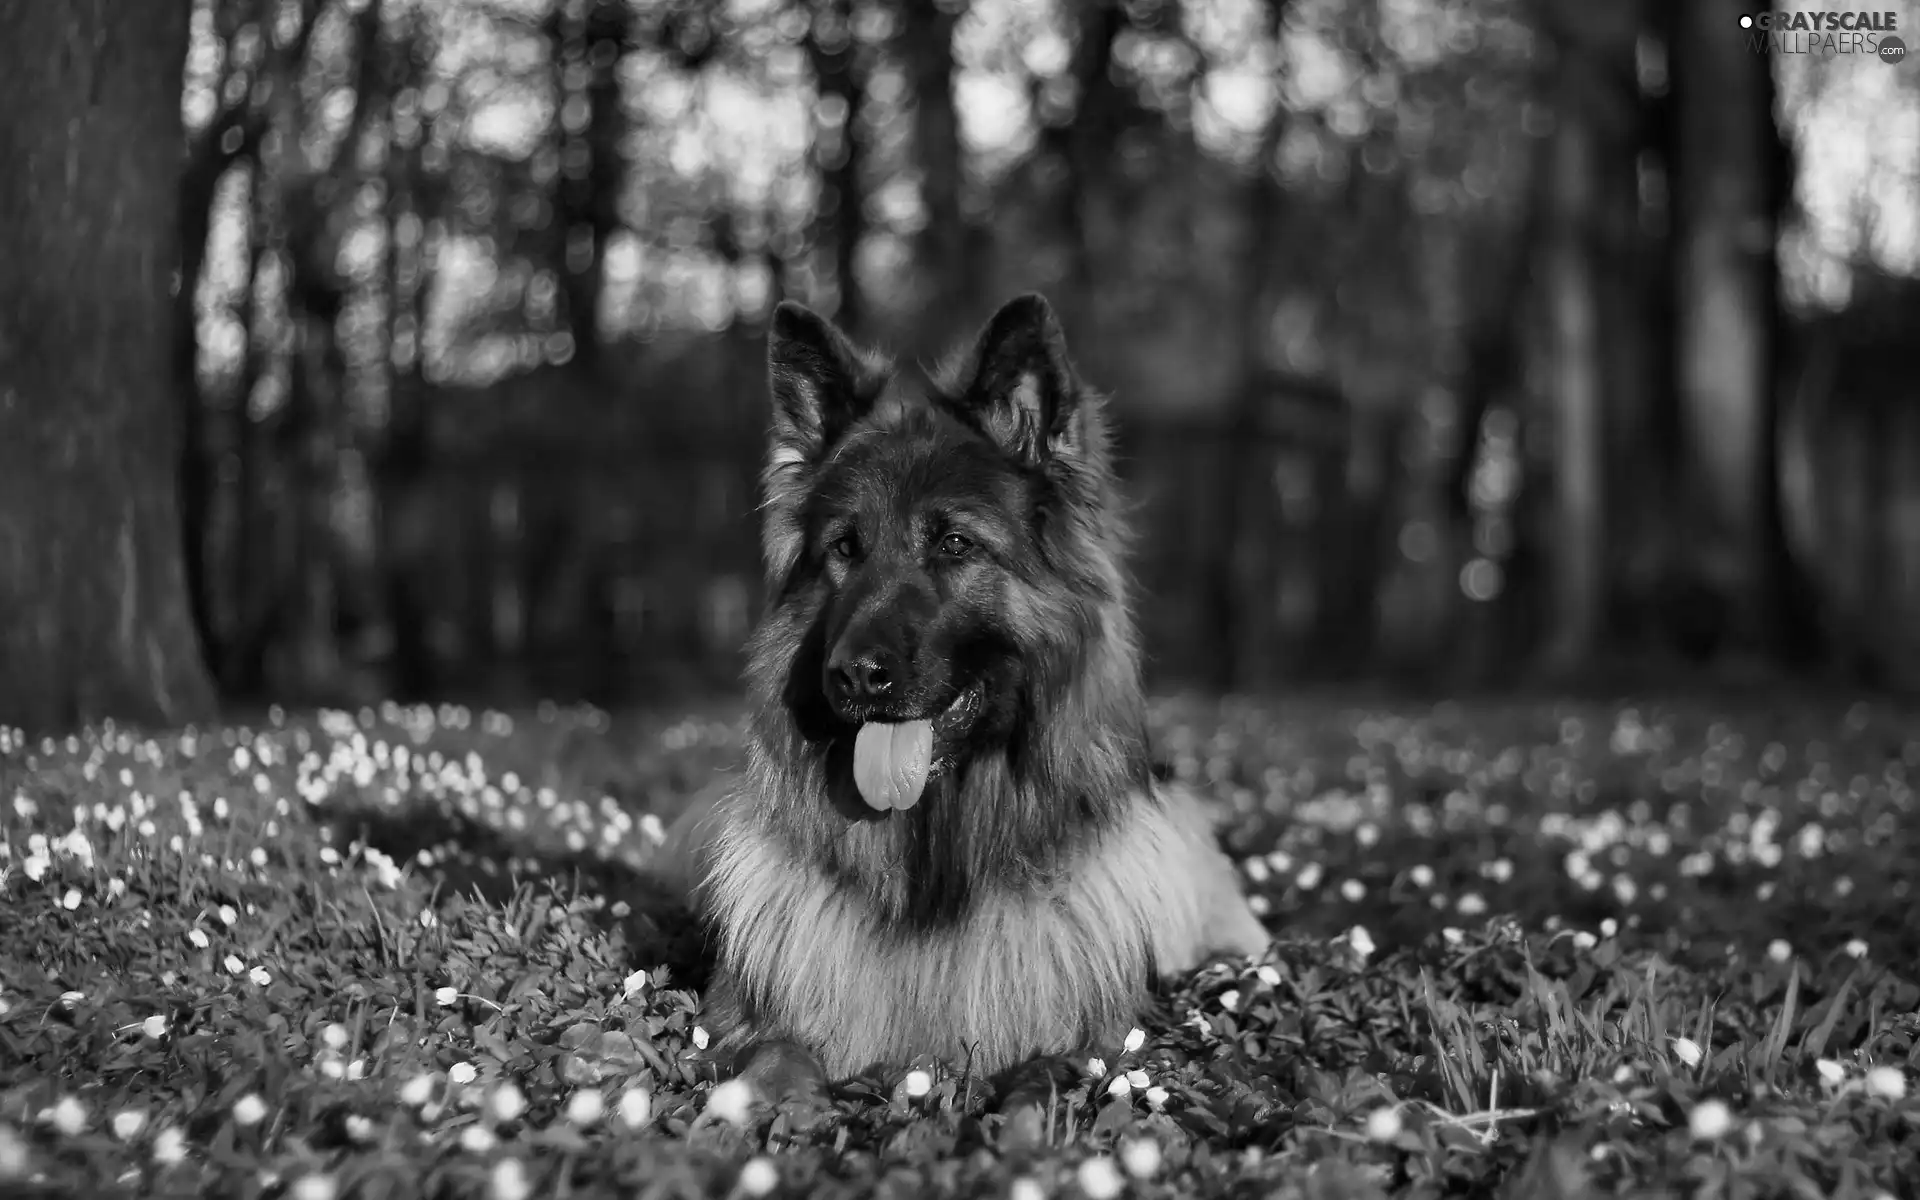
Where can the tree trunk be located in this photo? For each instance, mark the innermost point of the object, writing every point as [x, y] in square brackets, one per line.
[1080, 147]
[947, 270]
[840, 220]
[1242, 601]
[592, 166]
[97, 623]
[1724, 233]
[1579, 551]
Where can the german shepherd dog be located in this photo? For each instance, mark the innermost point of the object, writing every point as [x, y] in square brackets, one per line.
[947, 842]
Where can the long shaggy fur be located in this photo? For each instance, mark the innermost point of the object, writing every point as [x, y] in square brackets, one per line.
[1024, 905]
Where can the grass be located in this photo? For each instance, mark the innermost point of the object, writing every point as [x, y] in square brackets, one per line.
[1524, 951]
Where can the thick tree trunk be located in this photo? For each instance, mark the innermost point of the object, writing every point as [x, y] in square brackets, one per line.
[95, 622]
[1724, 233]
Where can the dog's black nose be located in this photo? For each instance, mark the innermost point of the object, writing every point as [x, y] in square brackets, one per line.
[863, 679]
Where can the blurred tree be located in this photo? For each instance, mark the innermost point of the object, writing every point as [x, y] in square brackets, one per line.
[1079, 141]
[1594, 91]
[98, 622]
[1243, 591]
[840, 216]
[1727, 196]
[950, 297]
[587, 40]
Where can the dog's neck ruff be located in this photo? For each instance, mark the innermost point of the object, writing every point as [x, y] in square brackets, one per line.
[1027, 970]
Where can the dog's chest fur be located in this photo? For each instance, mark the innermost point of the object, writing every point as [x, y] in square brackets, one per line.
[1023, 971]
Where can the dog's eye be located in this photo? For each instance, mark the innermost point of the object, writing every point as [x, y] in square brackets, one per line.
[846, 547]
[955, 545]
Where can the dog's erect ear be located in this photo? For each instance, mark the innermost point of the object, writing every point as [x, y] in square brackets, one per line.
[821, 383]
[1023, 388]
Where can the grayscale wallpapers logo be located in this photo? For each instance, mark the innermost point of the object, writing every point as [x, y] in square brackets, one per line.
[1826, 33]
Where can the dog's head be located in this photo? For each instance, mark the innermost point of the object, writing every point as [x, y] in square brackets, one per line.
[933, 546]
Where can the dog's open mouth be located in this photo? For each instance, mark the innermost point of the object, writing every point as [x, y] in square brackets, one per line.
[894, 760]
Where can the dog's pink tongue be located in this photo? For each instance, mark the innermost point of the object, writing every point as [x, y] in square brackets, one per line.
[890, 762]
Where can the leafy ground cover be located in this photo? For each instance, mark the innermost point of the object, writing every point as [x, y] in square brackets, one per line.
[1532, 950]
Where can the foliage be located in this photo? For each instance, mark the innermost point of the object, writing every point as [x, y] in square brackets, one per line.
[1561, 949]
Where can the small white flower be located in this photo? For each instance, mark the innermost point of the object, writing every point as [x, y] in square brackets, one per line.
[700, 1037]
[1887, 1083]
[732, 1102]
[1421, 876]
[312, 1187]
[462, 1073]
[1383, 1123]
[634, 984]
[332, 1067]
[1856, 948]
[227, 915]
[154, 1026]
[919, 1083]
[1778, 950]
[359, 1128]
[506, 1103]
[1831, 1072]
[234, 965]
[636, 1108]
[1136, 1038]
[249, 1109]
[584, 1108]
[1137, 1078]
[1100, 1179]
[759, 1176]
[1584, 940]
[1024, 1188]
[477, 1139]
[127, 1123]
[1141, 1158]
[169, 1146]
[508, 1181]
[199, 938]
[71, 1000]
[1710, 1120]
[357, 1069]
[446, 997]
[69, 1116]
[416, 1091]
[1609, 927]
[260, 977]
[1268, 975]
[1157, 1096]
[1687, 1051]
[71, 900]
[1120, 1088]
[1353, 891]
[1097, 1067]
[1452, 936]
[1361, 941]
[13, 1154]
[1230, 999]
[334, 1037]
